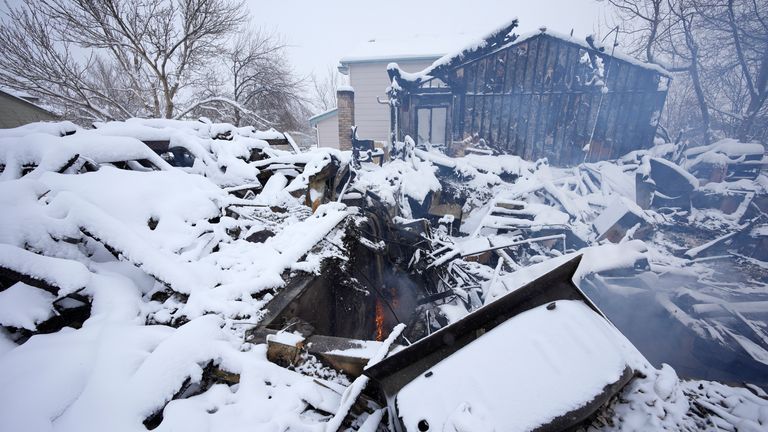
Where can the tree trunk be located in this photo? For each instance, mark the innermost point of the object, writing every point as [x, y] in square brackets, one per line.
[757, 100]
[693, 71]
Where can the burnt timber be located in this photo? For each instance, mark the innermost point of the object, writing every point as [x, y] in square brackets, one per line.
[540, 96]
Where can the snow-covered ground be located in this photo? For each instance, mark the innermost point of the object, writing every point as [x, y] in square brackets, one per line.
[128, 285]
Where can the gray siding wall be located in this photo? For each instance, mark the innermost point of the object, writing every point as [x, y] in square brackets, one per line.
[328, 132]
[15, 112]
[370, 80]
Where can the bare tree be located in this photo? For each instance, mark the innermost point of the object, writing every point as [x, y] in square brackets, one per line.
[262, 80]
[324, 89]
[718, 50]
[111, 59]
[256, 84]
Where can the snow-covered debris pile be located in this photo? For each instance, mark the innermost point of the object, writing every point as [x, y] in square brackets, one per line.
[118, 273]
[515, 214]
[244, 286]
[41, 152]
[725, 159]
[221, 152]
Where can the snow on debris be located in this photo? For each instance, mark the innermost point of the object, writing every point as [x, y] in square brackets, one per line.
[141, 245]
[509, 398]
[128, 284]
[224, 161]
[22, 306]
[40, 153]
[50, 128]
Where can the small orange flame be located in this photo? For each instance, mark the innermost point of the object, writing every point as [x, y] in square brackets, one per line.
[395, 299]
[379, 320]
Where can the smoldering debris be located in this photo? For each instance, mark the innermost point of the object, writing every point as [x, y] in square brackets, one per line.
[246, 282]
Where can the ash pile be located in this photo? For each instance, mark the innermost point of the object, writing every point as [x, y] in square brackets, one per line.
[173, 275]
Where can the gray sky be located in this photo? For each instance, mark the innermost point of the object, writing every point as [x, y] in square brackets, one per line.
[322, 31]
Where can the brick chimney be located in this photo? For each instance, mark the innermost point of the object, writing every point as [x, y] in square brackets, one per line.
[345, 103]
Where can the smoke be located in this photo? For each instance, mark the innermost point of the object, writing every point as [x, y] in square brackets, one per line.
[633, 304]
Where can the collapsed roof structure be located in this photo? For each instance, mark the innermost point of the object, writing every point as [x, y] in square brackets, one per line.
[173, 275]
[540, 95]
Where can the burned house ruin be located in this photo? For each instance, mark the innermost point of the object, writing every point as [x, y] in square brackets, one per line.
[222, 275]
[542, 95]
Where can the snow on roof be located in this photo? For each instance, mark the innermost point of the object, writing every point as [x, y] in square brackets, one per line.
[581, 41]
[319, 117]
[16, 93]
[411, 47]
[27, 99]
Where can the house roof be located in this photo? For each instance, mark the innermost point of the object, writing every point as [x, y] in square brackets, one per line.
[21, 98]
[404, 48]
[503, 37]
[322, 116]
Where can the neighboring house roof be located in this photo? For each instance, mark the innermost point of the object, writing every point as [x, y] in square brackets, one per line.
[16, 111]
[414, 47]
[322, 116]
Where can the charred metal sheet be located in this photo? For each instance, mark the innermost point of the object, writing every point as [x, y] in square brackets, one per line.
[399, 369]
[405, 366]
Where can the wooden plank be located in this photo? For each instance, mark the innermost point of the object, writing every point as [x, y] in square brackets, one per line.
[600, 149]
[622, 117]
[545, 113]
[530, 65]
[469, 113]
[504, 118]
[561, 68]
[525, 120]
[457, 112]
[480, 100]
[500, 70]
[533, 122]
[490, 116]
[631, 136]
[587, 110]
[521, 67]
[550, 65]
[542, 116]
[611, 105]
[537, 139]
[504, 105]
[511, 70]
[541, 64]
[569, 127]
[498, 115]
[514, 124]
[571, 62]
[558, 126]
[620, 83]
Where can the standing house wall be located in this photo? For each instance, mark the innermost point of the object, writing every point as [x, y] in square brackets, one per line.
[541, 98]
[17, 112]
[328, 132]
[370, 80]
